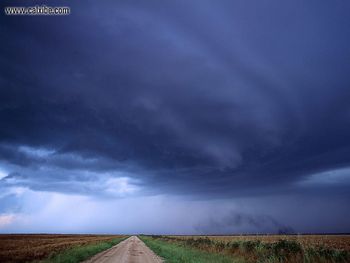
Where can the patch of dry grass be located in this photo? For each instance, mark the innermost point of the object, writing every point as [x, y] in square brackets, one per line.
[268, 248]
[26, 248]
[341, 242]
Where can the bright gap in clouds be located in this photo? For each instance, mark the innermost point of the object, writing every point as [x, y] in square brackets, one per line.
[340, 177]
[3, 174]
[6, 219]
[36, 152]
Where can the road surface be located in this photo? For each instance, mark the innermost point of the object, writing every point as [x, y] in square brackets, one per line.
[131, 250]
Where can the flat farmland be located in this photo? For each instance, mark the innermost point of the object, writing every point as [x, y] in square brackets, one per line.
[339, 242]
[34, 247]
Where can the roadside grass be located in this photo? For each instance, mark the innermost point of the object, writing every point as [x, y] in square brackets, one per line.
[257, 251]
[81, 253]
[176, 253]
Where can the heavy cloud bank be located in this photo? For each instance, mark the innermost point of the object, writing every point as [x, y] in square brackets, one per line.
[195, 99]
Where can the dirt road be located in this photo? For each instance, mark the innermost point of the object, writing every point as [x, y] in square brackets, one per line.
[131, 250]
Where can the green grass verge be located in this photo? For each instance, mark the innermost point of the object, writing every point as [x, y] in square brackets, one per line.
[81, 253]
[173, 253]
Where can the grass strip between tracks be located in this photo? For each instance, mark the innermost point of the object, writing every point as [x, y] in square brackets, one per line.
[81, 253]
[174, 253]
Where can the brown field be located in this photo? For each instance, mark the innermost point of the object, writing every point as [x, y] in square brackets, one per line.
[341, 242]
[25, 248]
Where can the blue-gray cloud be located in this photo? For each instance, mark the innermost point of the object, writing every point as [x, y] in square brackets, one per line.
[202, 99]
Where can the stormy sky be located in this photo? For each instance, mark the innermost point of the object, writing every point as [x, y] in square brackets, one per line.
[187, 117]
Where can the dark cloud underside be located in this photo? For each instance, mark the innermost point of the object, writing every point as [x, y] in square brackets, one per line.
[201, 97]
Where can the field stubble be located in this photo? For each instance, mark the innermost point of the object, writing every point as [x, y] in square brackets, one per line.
[26, 248]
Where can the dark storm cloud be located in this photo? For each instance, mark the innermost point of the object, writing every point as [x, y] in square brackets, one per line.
[221, 98]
